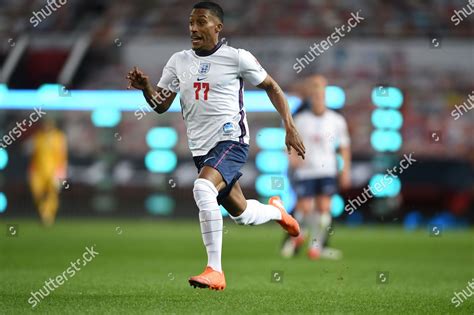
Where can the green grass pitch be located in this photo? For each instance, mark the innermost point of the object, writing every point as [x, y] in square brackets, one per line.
[143, 266]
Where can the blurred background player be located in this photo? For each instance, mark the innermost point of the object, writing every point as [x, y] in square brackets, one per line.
[48, 167]
[315, 179]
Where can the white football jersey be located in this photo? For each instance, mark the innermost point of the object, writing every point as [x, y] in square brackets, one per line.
[321, 136]
[211, 91]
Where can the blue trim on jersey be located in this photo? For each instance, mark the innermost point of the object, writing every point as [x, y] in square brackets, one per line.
[242, 113]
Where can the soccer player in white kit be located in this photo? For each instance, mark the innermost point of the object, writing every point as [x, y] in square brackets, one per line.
[315, 179]
[209, 78]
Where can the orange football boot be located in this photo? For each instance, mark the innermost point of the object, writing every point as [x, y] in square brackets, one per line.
[314, 253]
[287, 222]
[210, 278]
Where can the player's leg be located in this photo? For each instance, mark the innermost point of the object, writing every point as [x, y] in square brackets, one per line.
[218, 174]
[205, 191]
[252, 212]
[320, 218]
[38, 189]
[248, 212]
[218, 169]
[51, 201]
[305, 190]
[303, 208]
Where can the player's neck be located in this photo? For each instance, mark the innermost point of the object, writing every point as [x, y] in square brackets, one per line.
[319, 112]
[205, 52]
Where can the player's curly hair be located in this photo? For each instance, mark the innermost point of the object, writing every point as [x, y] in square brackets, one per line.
[215, 9]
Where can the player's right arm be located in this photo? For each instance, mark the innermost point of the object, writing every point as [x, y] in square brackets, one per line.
[159, 99]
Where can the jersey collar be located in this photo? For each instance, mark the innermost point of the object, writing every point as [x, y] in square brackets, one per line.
[205, 53]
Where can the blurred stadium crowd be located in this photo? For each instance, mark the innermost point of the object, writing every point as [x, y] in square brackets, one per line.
[260, 18]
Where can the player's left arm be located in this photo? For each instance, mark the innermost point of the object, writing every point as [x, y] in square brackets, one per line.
[345, 151]
[345, 176]
[278, 99]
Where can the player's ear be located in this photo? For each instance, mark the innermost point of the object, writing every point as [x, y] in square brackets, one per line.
[219, 27]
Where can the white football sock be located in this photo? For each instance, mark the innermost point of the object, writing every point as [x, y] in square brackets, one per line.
[320, 222]
[326, 220]
[257, 213]
[313, 222]
[210, 218]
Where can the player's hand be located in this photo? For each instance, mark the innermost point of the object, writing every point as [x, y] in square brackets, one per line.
[345, 180]
[293, 140]
[138, 79]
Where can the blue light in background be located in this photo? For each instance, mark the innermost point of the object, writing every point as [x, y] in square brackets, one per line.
[106, 117]
[162, 138]
[224, 211]
[387, 119]
[53, 97]
[355, 219]
[388, 186]
[271, 138]
[386, 140]
[3, 158]
[3, 92]
[390, 97]
[412, 220]
[3, 202]
[161, 161]
[272, 161]
[335, 97]
[340, 162]
[337, 205]
[159, 204]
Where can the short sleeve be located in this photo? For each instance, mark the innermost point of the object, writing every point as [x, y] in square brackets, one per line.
[344, 139]
[250, 69]
[169, 80]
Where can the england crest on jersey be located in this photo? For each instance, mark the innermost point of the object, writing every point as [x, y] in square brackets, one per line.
[204, 67]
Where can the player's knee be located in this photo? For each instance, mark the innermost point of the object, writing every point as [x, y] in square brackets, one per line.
[204, 192]
[323, 204]
[305, 206]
